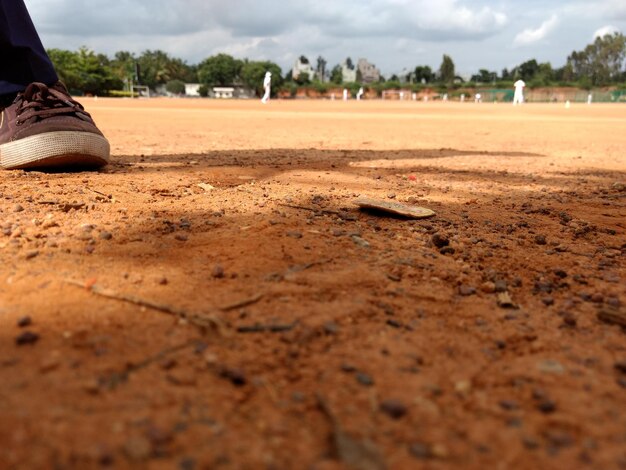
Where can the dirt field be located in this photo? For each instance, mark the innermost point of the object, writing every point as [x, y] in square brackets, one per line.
[213, 299]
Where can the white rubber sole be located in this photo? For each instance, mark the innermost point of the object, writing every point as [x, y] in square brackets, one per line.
[56, 149]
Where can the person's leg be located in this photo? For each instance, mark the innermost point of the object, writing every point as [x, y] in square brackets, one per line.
[41, 125]
[23, 57]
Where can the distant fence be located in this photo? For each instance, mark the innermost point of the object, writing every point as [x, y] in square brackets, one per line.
[547, 95]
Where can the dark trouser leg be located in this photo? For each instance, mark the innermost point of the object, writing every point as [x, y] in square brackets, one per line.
[23, 59]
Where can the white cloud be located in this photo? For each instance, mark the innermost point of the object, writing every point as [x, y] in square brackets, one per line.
[532, 36]
[390, 33]
[615, 9]
[604, 31]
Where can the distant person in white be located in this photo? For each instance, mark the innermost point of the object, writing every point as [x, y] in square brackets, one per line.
[345, 94]
[478, 98]
[359, 94]
[267, 85]
[462, 97]
[445, 97]
[518, 98]
[589, 98]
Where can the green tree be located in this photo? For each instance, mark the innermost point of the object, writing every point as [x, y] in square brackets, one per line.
[158, 68]
[544, 75]
[219, 70]
[527, 70]
[303, 78]
[176, 87]
[67, 66]
[321, 68]
[203, 91]
[253, 74]
[336, 75]
[84, 71]
[446, 70]
[123, 65]
[424, 74]
[601, 62]
[484, 76]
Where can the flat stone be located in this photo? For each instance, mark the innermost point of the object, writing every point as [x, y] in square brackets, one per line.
[396, 208]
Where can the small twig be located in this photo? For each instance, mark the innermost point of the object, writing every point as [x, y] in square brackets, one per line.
[612, 317]
[242, 303]
[201, 321]
[312, 209]
[97, 192]
[304, 267]
[258, 328]
[325, 407]
[118, 378]
[355, 453]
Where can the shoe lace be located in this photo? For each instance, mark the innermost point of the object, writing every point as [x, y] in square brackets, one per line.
[39, 102]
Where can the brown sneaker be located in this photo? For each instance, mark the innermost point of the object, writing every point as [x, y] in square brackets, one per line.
[45, 128]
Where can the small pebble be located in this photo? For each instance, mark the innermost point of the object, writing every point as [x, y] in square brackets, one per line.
[540, 240]
[569, 320]
[181, 237]
[187, 464]
[91, 386]
[17, 208]
[547, 406]
[597, 298]
[138, 448]
[24, 322]
[393, 408]
[181, 378]
[501, 285]
[447, 250]
[421, 451]
[28, 337]
[620, 366]
[509, 405]
[550, 366]
[488, 287]
[440, 240]
[218, 272]
[236, 376]
[466, 290]
[364, 379]
[613, 302]
[106, 235]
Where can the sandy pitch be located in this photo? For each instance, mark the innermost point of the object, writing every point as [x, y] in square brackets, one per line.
[282, 328]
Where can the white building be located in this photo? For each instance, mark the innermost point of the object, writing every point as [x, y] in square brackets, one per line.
[192, 89]
[225, 92]
[369, 72]
[348, 72]
[302, 67]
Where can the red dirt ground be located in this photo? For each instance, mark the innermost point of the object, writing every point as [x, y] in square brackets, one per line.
[213, 298]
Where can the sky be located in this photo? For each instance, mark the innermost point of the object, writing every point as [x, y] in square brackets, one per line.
[395, 35]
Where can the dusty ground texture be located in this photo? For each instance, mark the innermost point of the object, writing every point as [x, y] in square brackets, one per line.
[213, 299]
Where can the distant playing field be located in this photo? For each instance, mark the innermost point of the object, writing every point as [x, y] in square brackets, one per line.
[175, 126]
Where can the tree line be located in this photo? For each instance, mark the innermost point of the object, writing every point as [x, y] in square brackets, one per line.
[601, 63]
